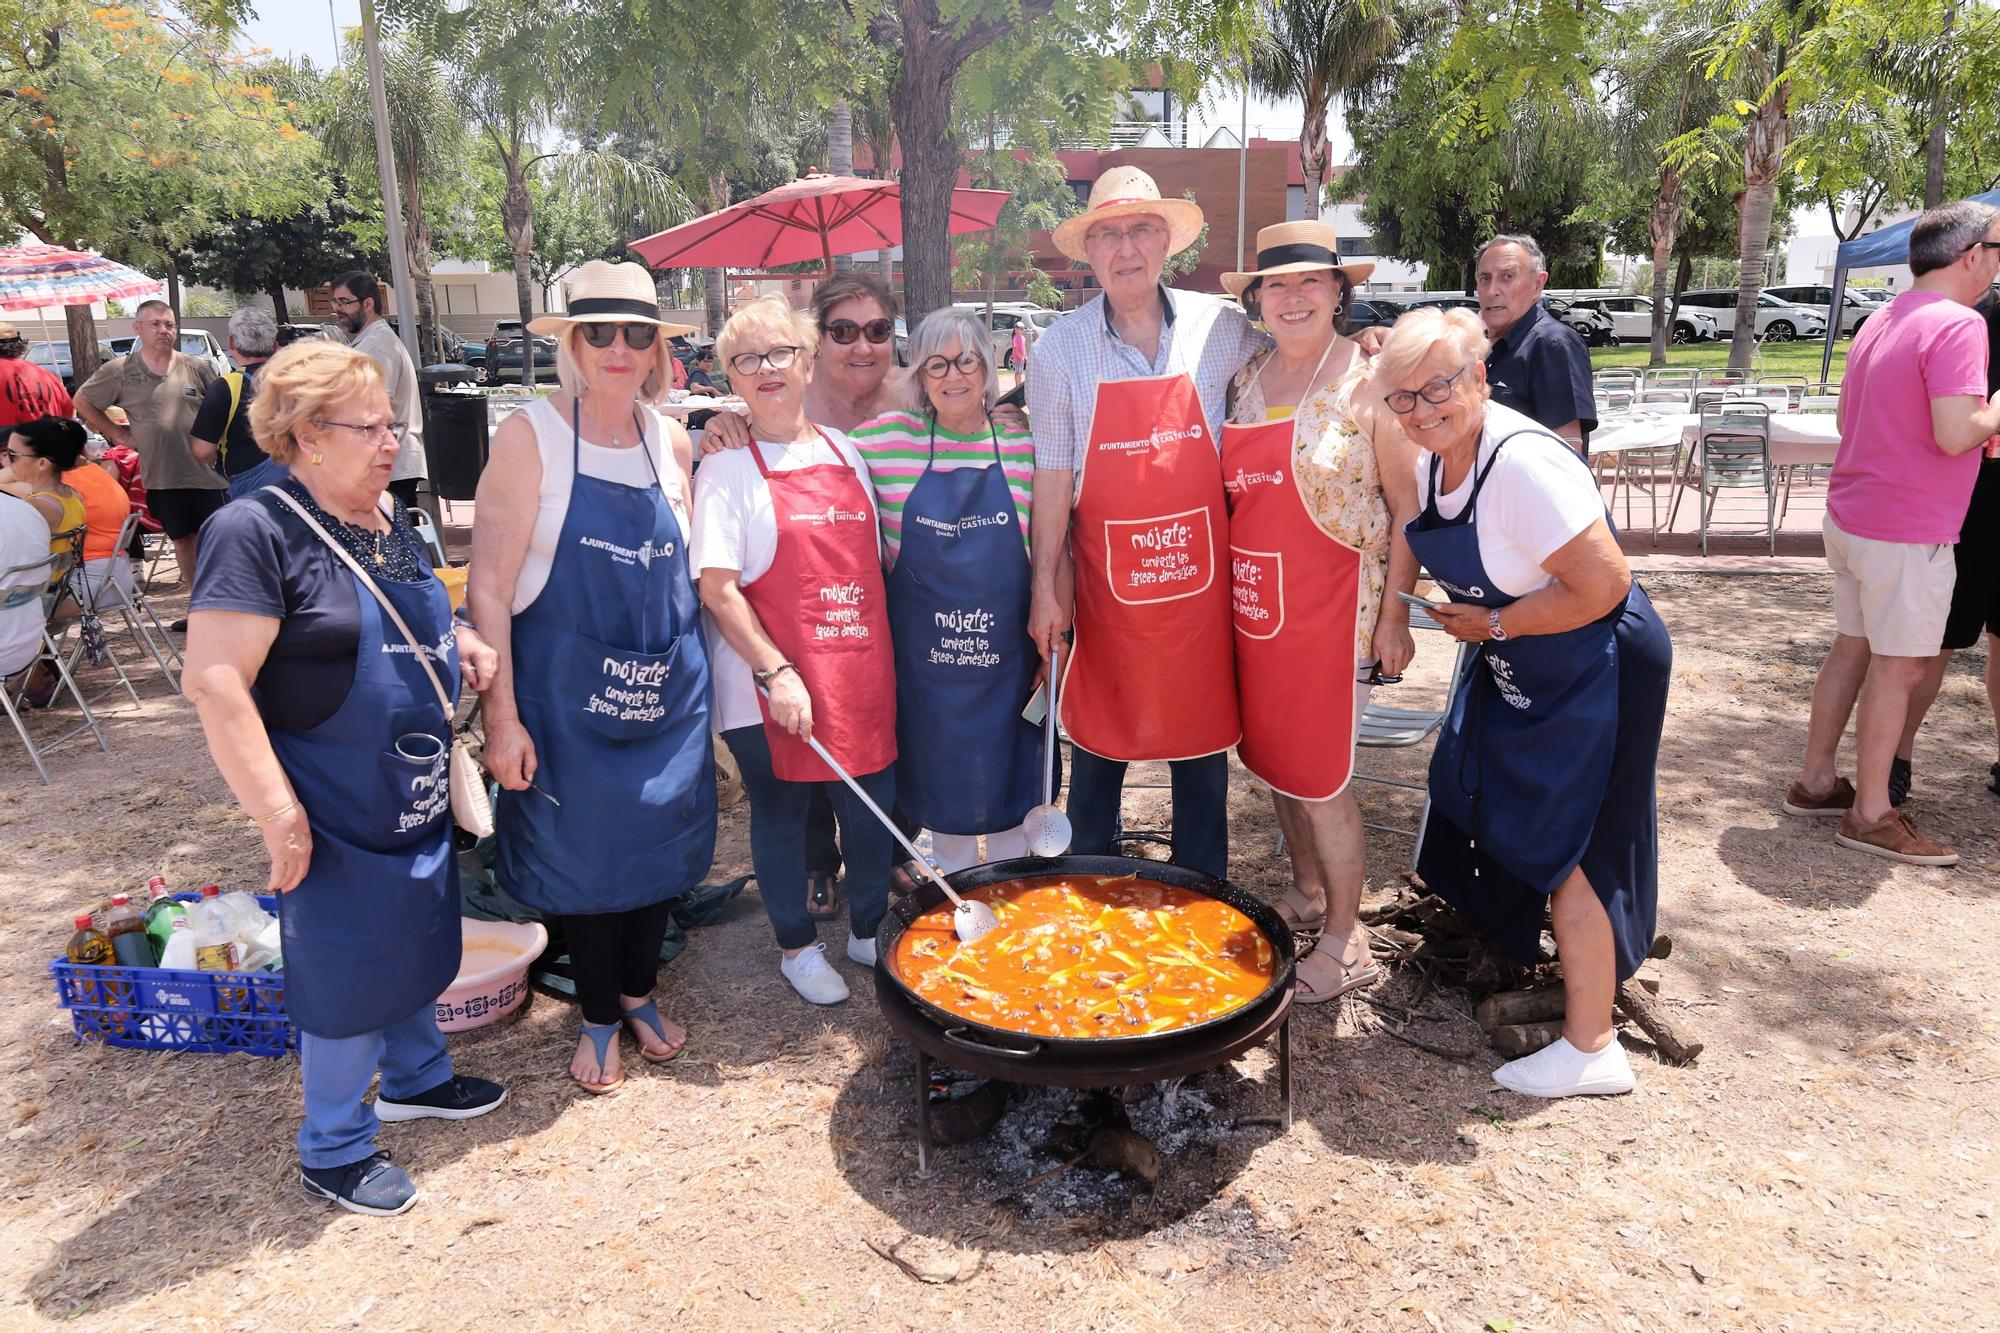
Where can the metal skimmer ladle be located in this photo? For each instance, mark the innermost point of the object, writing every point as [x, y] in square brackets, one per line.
[971, 920]
[1046, 826]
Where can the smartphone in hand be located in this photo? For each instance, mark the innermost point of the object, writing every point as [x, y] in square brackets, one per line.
[1416, 601]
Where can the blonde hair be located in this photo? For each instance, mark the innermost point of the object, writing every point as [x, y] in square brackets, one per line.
[1413, 335]
[301, 382]
[768, 314]
[659, 377]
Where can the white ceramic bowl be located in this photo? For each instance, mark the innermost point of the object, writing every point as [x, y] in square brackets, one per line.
[492, 976]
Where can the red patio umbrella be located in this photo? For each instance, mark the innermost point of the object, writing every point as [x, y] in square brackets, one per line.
[815, 218]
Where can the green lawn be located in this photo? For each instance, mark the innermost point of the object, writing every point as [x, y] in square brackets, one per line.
[1790, 358]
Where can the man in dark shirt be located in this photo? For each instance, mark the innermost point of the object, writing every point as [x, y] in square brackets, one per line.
[28, 392]
[1538, 365]
[221, 431]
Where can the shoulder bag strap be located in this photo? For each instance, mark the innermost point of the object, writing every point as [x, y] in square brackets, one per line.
[395, 617]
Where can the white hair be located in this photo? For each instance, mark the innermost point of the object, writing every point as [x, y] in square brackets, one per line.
[254, 332]
[939, 330]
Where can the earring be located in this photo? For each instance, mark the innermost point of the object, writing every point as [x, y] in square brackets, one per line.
[317, 458]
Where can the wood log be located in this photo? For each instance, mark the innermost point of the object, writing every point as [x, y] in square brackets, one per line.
[1537, 1004]
[1645, 1011]
[1524, 1038]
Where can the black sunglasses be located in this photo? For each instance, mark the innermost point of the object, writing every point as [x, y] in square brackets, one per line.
[845, 331]
[638, 337]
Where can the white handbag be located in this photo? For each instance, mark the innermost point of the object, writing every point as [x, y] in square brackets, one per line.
[471, 807]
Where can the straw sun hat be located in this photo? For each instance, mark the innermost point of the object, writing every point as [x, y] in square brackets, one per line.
[1122, 192]
[606, 293]
[1296, 247]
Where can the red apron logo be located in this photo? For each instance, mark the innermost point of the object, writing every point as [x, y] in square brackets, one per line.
[1193, 431]
[1243, 481]
[1159, 559]
[1257, 592]
[830, 515]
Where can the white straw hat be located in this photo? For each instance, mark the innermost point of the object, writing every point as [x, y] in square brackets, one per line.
[1121, 192]
[604, 293]
[1296, 247]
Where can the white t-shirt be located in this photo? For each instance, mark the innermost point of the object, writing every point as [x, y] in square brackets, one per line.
[627, 467]
[24, 537]
[1537, 499]
[735, 527]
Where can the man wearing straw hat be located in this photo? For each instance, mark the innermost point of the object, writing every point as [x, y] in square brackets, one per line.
[1127, 392]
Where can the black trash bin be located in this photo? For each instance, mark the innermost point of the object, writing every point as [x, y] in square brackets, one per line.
[455, 440]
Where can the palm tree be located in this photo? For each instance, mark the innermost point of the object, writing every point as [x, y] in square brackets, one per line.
[1320, 50]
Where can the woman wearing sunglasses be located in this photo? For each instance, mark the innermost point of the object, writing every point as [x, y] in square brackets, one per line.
[789, 558]
[1318, 485]
[1542, 780]
[955, 488]
[597, 722]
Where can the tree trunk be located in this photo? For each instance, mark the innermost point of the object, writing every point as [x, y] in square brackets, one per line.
[1769, 131]
[922, 106]
[1312, 152]
[840, 158]
[82, 326]
[715, 295]
[174, 289]
[280, 311]
[1663, 229]
[1683, 275]
[1934, 149]
[517, 219]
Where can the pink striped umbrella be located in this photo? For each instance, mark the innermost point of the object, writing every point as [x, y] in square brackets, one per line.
[814, 218]
[32, 276]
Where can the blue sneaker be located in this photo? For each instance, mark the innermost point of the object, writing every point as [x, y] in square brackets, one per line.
[374, 1186]
[454, 1099]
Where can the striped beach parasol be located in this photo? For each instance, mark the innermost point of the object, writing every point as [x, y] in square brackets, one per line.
[34, 276]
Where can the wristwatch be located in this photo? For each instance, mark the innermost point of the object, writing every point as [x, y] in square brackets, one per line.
[1493, 630]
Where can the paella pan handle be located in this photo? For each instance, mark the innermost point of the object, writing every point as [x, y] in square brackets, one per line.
[957, 1037]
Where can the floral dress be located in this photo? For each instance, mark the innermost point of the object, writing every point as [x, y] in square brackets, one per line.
[1333, 461]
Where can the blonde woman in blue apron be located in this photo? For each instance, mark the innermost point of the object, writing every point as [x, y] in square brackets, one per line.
[597, 723]
[339, 756]
[1542, 783]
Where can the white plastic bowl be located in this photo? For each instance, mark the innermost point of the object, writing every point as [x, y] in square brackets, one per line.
[492, 976]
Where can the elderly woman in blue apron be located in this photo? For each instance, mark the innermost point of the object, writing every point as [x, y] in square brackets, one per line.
[1542, 784]
[320, 598]
[597, 722]
[954, 488]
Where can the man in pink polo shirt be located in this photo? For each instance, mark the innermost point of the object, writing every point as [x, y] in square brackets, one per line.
[1913, 415]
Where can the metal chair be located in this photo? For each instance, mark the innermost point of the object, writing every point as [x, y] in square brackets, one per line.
[1820, 402]
[1616, 377]
[1794, 387]
[428, 531]
[1720, 375]
[1668, 376]
[34, 583]
[98, 597]
[1735, 449]
[1386, 728]
[1614, 399]
[1666, 395]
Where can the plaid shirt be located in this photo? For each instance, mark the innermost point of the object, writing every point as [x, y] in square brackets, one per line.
[1201, 336]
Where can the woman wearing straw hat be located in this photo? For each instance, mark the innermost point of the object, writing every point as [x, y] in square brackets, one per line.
[1126, 392]
[1319, 486]
[597, 722]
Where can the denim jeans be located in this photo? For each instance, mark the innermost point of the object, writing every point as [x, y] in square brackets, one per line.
[1201, 808]
[340, 1127]
[778, 841]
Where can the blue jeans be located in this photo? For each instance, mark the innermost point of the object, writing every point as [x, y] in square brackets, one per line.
[1201, 808]
[778, 841]
[340, 1127]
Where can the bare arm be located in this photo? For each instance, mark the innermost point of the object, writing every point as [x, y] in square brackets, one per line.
[1591, 576]
[1961, 424]
[510, 492]
[94, 417]
[722, 596]
[203, 450]
[1572, 432]
[225, 651]
[1048, 541]
[1396, 466]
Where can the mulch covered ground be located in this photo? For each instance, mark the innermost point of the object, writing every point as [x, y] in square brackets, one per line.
[1827, 1164]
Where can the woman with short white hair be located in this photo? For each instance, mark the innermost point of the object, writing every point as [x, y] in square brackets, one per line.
[597, 722]
[955, 489]
[1542, 782]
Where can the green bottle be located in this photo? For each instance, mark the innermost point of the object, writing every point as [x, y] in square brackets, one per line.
[161, 913]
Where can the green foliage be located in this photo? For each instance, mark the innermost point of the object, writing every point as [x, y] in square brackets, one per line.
[1188, 259]
[249, 254]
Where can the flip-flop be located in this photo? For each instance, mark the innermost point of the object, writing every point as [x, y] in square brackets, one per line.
[601, 1036]
[822, 896]
[1304, 992]
[648, 1013]
[1297, 923]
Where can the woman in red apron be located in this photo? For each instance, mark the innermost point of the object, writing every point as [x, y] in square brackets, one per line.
[1313, 554]
[788, 552]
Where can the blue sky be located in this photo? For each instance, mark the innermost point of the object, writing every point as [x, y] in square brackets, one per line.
[301, 27]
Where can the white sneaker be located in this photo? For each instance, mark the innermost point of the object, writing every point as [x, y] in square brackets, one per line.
[861, 951]
[813, 977]
[1561, 1070]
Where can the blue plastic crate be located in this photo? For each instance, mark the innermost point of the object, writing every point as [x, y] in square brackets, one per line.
[177, 1009]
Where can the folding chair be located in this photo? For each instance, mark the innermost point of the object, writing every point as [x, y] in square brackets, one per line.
[1648, 467]
[1735, 446]
[34, 583]
[1386, 728]
[97, 597]
[428, 531]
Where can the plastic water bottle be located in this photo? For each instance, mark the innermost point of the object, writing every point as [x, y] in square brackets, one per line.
[179, 951]
[127, 930]
[161, 913]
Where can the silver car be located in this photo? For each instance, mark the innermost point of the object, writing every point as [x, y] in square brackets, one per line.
[1777, 320]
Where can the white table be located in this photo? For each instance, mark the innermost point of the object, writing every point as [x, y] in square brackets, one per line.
[1797, 438]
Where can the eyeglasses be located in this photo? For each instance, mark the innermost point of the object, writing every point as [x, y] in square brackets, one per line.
[845, 331]
[638, 337]
[777, 358]
[344, 303]
[1402, 401]
[394, 428]
[1139, 233]
[1981, 245]
[965, 363]
[16, 456]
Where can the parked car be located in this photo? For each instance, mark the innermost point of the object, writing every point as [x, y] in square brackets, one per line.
[1777, 321]
[1854, 309]
[1616, 319]
[197, 343]
[55, 356]
[1008, 316]
[1370, 314]
[1443, 303]
[505, 363]
[1590, 319]
[460, 352]
[291, 333]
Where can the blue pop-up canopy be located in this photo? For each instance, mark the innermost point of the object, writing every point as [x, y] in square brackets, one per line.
[1878, 249]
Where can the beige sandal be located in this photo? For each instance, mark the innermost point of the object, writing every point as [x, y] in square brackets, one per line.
[1300, 923]
[1305, 992]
